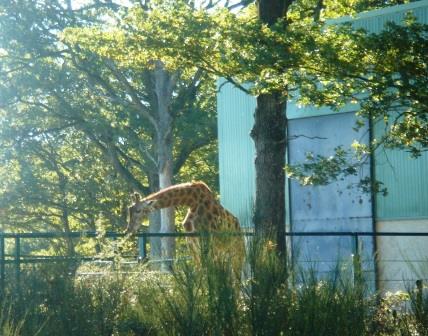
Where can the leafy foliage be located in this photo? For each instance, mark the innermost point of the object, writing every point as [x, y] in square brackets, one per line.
[383, 75]
[76, 128]
[78, 108]
[206, 299]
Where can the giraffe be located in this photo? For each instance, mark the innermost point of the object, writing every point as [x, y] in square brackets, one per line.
[205, 214]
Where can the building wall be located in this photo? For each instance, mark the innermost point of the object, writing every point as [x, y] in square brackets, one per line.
[236, 151]
[402, 260]
[338, 206]
[406, 179]
[332, 207]
[405, 208]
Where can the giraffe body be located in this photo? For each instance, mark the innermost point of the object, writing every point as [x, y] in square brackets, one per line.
[205, 214]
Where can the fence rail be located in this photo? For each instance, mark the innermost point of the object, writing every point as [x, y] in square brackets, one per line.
[17, 258]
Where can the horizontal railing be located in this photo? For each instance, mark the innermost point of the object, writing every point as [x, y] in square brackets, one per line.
[17, 258]
[94, 234]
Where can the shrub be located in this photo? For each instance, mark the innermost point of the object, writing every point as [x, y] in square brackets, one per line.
[207, 297]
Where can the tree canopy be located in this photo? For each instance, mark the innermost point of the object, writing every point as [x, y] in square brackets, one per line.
[308, 58]
[78, 127]
[102, 99]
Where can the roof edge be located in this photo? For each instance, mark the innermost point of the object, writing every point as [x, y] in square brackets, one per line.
[380, 12]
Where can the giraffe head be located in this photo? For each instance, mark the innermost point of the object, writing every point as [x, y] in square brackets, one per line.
[137, 212]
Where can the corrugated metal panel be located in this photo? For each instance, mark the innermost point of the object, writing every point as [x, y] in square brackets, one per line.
[406, 179]
[402, 260]
[396, 14]
[335, 207]
[373, 21]
[236, 151]
[296, 111]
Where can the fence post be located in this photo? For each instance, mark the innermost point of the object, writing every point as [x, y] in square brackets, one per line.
[142, 247]
[419, 297]
[2, 264]
[356, 261]
[18, 264]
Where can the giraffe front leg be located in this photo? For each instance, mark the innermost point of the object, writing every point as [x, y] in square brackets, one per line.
[188, 221]
[192, 242]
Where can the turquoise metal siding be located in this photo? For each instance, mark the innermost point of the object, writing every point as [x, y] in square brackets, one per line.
[406, 179]
[374, 22]
[296, 111]
[334, 207]
[236, 151]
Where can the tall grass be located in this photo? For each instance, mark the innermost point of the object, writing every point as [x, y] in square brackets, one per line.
[267, 295]
[332, 306]
[9, 326]
[419, 307]
[209, 298]
[55, 302]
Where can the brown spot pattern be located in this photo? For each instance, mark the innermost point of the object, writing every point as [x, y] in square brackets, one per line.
[203, 204]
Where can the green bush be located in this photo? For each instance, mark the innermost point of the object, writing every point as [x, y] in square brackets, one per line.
[206, 298]
[9, 325]
[54, 300]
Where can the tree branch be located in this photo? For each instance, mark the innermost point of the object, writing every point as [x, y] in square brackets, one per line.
[317, 11]
[243, 4]
[185, 152]
[110, 152]
[296, 136]
[133, 93]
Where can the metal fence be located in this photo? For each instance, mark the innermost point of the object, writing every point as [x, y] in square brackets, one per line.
[17, 258]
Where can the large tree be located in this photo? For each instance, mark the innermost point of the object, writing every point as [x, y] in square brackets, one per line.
[281, 47]
[269, 134]
[129, 115]
[173, 104]
[106, 82]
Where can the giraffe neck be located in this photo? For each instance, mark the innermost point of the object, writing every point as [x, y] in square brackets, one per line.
[188, 194]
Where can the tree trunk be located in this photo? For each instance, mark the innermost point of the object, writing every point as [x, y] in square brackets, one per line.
[164, 83]
[69, 240]
[270, 11]
[64, 213]
[269, 135]
[167, 215]
[154, 221]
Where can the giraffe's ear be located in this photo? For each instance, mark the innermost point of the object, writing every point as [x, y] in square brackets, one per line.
[136, 197]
